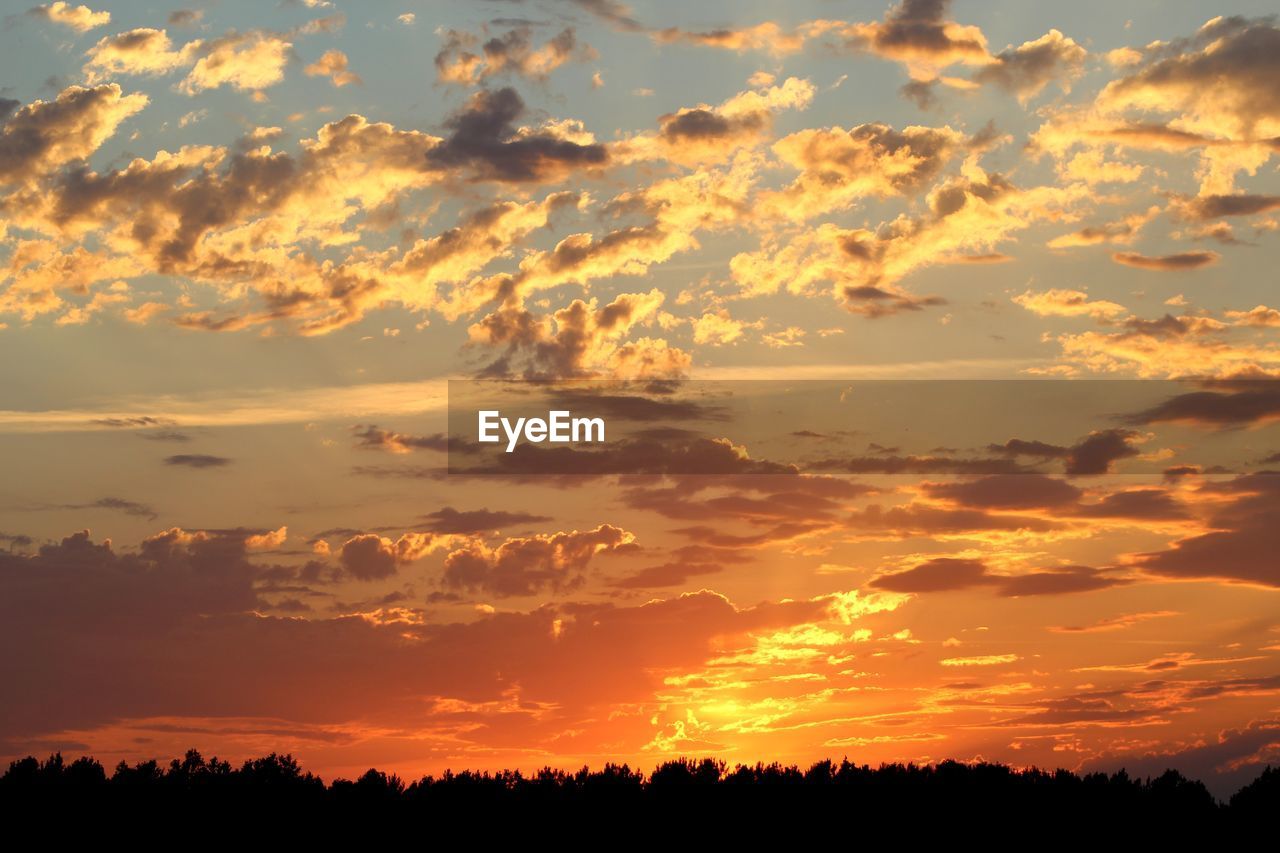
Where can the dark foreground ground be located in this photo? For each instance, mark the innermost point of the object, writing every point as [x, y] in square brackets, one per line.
[978, 803]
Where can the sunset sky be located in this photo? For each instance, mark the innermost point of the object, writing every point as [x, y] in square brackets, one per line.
[244, 247]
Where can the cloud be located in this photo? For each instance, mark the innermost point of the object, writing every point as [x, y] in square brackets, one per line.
[767, 36]
[333, 64]
[894, 463]
[916, 33]
[185, 602]
[712, 134]
[484, 142]
[371, 437]
[1207, 93]
[981, 660]
[46, 135]
[191, 213]
[138, 51]
[368, 556]
[128, 507]
[525, 565]
[643, 455]
[197, 460]
[1092, 455]
[185, 17]
[1167, 263]
[1007, 492]
[676, 573]
[915, 519]
[450, 520]
[1259, 316]
[1123, 231]
[1217, 81]
[79, 18]
[582, 339]
[740, 489]
[1236, 204]
[1240, 544]
[950, 574]
[1062, 499]
[1025, 70]
[1114, 623]
[248, 61]
[455, 255]
[1238, 403]
[838, 167]
[717, 328]
[943, 573]
[1185, 346]
[967, 214]
[1068, 303]
[512, 53]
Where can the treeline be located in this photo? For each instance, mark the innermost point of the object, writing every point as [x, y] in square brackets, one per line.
[277, 784]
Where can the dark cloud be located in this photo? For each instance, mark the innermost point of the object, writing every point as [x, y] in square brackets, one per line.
[674, 573]
[483, 141]
[368, 556]
[1217, 206]
[923, 93]
[697, 455]
[1153, 504]
[1059, 581]
[912, 464]
[943, 573]
[1016, 491]
[874, 302]
[164, 435]
[1167, 263]
[511, 53]
[1096, 453]
[450, 520]
[197, 460]
[1026, 69]
[919, 520]
[15, 540]
[703, 125]
[134, 422]
[758, 499]
[119, 504]
[920, 27]
[45, 135]
[371, 437]
[164, 631]
[1093, 454]
[565, 350]
[1036, 491]
[1238, 405]
[947, 574]
[185, 17]
[1241, 543]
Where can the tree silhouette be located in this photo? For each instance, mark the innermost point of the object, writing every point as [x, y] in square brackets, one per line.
[212, 792]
